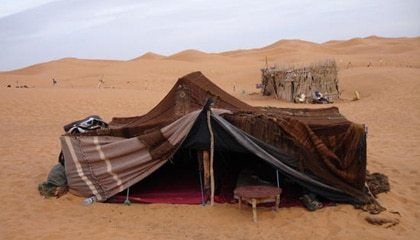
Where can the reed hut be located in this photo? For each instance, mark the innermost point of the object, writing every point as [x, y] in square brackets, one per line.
[289, 83]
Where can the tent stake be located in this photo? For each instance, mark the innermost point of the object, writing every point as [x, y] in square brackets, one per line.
[127, 201]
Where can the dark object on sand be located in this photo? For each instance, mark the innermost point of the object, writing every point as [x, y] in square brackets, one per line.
[310, 202]
[56, 184]
[377, 183]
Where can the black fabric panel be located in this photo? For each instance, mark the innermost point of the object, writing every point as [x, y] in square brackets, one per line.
[284, 157]
[199, 137]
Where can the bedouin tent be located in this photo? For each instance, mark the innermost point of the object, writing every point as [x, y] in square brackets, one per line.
[319, 149]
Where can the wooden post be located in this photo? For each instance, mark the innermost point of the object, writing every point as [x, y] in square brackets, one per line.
[277, 202]
[212, 184]
[206, 166]
[254, 209]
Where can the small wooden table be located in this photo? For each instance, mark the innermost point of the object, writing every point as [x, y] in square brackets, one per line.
[255, 195]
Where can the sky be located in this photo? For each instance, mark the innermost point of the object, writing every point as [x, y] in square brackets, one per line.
[33, 31]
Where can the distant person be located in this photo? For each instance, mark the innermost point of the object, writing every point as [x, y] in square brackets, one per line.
[54, 82]
[100, 83]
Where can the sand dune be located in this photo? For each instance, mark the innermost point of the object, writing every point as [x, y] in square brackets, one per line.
[32, 119]
[192, 55]
[148, 56]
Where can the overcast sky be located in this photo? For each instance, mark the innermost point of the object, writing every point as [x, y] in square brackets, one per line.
[33, 31]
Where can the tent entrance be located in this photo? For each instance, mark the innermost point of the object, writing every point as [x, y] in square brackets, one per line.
[176, 182]
[233, 169]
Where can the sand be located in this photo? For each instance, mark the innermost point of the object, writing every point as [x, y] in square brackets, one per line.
[32, 118]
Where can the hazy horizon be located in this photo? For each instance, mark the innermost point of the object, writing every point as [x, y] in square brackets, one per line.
[33, 31]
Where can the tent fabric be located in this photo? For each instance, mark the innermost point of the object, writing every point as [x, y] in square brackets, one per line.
[190, 93]
[319, 149]
[316, 186]
[103, 166]
[334, 153]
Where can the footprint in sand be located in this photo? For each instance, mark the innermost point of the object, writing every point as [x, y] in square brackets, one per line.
[403, 199]
[414, 172]
[380, 164]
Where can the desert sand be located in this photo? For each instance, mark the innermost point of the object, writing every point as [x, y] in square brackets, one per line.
[32, 118]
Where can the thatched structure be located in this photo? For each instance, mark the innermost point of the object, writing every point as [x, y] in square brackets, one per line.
[290, 83]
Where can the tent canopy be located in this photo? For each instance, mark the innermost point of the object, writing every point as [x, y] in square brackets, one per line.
[318, 149]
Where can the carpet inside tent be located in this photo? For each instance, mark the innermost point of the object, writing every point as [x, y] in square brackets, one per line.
[178, 182]
[172, 184]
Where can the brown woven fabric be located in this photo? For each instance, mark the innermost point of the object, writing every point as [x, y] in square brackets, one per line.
[326, 144]
[188, 94]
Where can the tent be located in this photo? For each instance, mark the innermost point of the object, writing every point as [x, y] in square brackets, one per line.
[316, 149]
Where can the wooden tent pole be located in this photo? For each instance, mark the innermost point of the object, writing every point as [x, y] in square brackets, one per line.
[206, 167]
[211, 159]
[200, 173]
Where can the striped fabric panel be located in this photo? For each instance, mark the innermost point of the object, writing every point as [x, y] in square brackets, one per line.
[103, 166]
[77, 176]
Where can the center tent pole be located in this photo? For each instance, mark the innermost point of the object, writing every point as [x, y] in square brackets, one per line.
[200, 172]
[211, 158]
[206, 167]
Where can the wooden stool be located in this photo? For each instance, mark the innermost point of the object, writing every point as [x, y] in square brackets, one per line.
[255, 195]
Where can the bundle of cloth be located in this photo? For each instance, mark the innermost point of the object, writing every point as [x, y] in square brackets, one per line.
[56, 183]
[319, 98]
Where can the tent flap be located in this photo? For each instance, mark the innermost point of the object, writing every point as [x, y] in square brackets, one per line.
[103, 166]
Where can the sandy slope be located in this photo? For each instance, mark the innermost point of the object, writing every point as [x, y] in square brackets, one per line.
[31, 121]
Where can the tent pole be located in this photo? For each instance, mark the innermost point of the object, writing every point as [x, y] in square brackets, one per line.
[278, 180]
[211, 159]
[127, 200]
[200, 171]
[206, 166]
